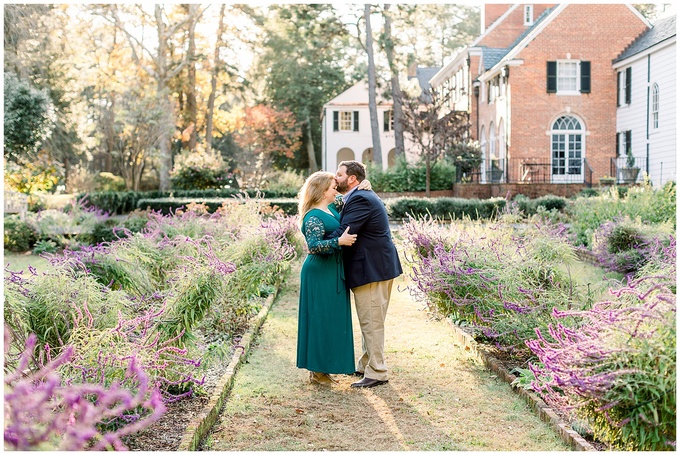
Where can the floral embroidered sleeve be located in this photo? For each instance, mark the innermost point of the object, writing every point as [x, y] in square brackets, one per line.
[314, 231]
[338, 203]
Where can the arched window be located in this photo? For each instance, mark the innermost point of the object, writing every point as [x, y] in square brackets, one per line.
[567, 149]
[655, 106]
[391, 158]
[345, 154]
[367, 156]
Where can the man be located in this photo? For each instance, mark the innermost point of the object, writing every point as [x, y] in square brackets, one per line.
[371, 265]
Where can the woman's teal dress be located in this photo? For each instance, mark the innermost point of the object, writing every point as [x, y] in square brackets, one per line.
[325, 342]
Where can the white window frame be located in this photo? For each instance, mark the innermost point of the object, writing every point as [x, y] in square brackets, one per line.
[346, 121]
[390, 113]
[562, 78]
[568, 137]
[622, 88]
[482, 148]
[528, 14]
[655, 106]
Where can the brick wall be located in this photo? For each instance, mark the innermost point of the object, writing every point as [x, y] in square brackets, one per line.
[534, 190]
[512, 26]
[587, 32]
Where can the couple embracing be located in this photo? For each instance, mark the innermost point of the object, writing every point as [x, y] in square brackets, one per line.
[350, 247]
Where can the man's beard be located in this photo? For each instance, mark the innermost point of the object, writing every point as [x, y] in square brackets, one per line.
[342, 187]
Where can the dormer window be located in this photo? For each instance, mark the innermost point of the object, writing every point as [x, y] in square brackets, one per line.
[528, 14]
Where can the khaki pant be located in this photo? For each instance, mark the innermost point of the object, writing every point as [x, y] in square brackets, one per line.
[371, 301]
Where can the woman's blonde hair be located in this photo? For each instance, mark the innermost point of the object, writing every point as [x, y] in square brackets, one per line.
[312, 191]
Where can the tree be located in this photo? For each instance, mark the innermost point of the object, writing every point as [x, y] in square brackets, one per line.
[372, 106]
[432, 128]
[268, 138]
[396, 89]
[157, 64]
[213, 83]
[141, 121]
[28, 119]
[44, 59]
[302, 63]
[433, 32]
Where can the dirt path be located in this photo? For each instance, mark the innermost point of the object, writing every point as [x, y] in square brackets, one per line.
[438, 398]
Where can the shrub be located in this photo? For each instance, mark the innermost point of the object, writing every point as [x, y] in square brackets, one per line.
[624, 245]
[617, 368]
[105, 231]
[445, 208]
[106, 181]
[45, 246]
[409, 177]
[643, 202]
[487, 276]
[19, 235]
[198, 171]
[170, 205]
[42, 413]
[286, 182]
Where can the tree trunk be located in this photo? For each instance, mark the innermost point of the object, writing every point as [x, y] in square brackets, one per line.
[213, 84]
[396, 89]
[191, 82]
[428, 171]
[313, 166]
[372, 106]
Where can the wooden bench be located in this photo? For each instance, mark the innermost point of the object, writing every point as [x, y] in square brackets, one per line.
[16, 203]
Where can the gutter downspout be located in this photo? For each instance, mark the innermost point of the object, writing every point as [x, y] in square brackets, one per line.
[324, 145]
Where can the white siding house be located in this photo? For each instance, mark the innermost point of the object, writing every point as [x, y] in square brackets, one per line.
[346, 129]
[346, 125]
[646, 114]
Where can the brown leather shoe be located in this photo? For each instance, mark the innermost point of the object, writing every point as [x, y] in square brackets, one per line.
[368, 382]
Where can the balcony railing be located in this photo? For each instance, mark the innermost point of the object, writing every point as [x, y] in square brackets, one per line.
[626, 170]
[529, 170]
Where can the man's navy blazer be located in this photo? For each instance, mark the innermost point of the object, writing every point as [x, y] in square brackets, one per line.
[373, 257]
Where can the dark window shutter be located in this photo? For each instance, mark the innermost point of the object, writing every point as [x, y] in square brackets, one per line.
[585, 77]
[618, 144]
[335, 120]
[356, 120]
[628, 87]
[552, 77]
[629, 146]
[618, 91]
[386, 121]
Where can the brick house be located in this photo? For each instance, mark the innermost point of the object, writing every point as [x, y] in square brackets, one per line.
[540, 89]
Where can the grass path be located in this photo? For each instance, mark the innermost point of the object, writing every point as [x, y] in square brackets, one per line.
[438, 397]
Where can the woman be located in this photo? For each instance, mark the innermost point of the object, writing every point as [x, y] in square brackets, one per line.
[325, 341]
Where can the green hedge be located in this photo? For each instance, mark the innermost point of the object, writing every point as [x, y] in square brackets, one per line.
[530, 206]
[445, 208]
[168, 205]
[122, 202]
[409, 177]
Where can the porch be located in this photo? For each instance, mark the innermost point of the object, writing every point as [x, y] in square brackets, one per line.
[532, 177]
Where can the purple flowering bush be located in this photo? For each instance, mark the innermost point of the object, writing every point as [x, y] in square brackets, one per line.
[617, 366]
[501, 281]
[624, 245]
[44, 413]
[162, 296]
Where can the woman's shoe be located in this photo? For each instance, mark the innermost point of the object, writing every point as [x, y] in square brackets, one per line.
[320, 378]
